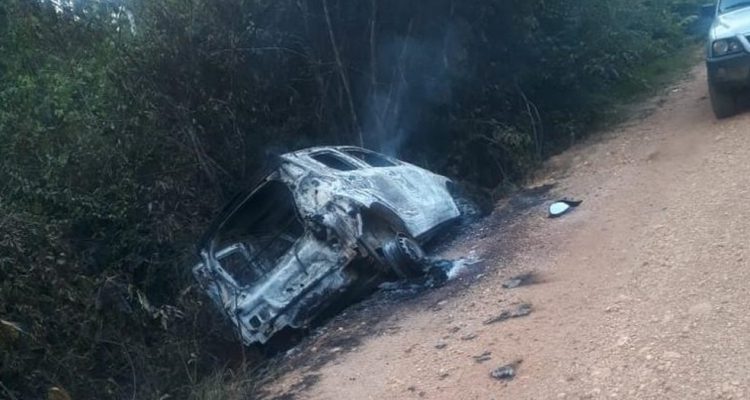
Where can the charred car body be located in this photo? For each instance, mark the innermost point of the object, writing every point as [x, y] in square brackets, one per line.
[324, 222]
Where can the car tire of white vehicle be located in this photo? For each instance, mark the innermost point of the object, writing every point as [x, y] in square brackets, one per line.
[723, 102]
[405, 256]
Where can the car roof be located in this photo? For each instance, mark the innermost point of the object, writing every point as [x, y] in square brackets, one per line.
[269, 169]
[319, 149]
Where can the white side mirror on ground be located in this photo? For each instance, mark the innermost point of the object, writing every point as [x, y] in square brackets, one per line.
[562, 207]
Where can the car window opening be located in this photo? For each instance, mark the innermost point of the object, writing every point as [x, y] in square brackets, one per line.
[259, 233]
[370, 158]
[730, 5]
[332, 160]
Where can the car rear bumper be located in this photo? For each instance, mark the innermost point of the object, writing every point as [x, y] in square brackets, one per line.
[730, 72]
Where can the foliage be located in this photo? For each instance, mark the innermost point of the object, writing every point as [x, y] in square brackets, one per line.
[124, 127]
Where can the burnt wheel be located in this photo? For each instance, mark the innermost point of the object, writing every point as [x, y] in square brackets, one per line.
[404, 255]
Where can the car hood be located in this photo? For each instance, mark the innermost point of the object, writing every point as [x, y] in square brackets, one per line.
[731, 24]
[419, 197]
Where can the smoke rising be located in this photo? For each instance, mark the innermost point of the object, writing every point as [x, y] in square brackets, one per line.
[414, 80]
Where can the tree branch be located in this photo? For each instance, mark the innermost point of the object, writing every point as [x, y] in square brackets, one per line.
[342, 73]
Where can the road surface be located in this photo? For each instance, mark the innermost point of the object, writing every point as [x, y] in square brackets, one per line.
[643, 292]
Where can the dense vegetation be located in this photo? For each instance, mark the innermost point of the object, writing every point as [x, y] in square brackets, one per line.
[125, 126]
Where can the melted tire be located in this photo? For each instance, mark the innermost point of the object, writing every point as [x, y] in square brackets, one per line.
[404, 256]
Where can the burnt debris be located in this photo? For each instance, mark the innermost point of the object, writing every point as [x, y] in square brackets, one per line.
[520, 311]
[521, 280]
[486, 356]
[506, 372]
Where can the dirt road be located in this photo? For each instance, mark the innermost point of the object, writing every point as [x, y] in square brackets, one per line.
[643, 292]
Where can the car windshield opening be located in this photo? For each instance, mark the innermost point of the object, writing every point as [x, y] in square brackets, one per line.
[259, 233]
[729, 5]
[371, 158]
[332, 160]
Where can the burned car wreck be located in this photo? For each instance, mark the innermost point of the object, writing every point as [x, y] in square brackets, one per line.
[323, 223]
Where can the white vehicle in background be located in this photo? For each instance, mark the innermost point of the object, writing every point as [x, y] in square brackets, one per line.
[728, 54]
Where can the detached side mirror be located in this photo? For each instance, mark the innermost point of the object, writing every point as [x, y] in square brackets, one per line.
[708, 11]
